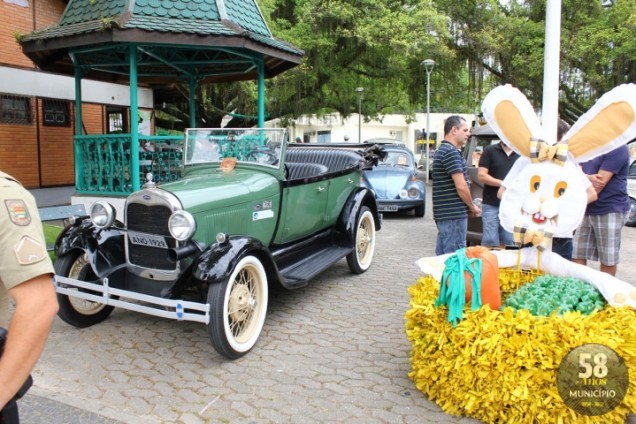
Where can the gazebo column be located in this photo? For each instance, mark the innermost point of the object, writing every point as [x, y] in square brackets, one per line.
[78, 117]
[192, 96]
[261, 93]
[134, 119]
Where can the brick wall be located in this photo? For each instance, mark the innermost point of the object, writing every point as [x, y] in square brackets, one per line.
[94, 117]
[56, 145]
[48, 12]
[19, 151]
[14, 19]
[56, 152]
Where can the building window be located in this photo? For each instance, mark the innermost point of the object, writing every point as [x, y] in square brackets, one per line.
[15, 109]
[116, 117]
[55, 112]
[324, 136]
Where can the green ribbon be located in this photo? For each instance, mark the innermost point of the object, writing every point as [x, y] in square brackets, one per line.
[453, 285]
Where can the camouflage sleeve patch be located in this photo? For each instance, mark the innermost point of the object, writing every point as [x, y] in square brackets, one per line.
[18, 212]
[29, 251]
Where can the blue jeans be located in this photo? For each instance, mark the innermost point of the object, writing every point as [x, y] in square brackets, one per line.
[451, 235]
[493, 234]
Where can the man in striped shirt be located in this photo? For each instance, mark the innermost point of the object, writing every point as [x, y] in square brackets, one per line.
[452, 202]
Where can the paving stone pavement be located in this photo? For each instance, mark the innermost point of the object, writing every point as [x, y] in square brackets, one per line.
[332, 352]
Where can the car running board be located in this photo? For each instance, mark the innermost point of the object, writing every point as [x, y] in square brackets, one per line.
[298, 274]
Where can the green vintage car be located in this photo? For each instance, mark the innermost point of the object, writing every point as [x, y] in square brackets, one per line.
[250, 211]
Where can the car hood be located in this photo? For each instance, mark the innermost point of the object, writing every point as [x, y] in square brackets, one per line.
[387, 182]
[222, 189]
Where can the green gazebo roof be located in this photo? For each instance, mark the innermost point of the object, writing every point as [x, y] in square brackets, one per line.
[210, 40]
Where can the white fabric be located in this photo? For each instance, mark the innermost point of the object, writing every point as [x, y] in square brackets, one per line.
[509, 93]
[615, 291]
[610, 287]
[623, 93]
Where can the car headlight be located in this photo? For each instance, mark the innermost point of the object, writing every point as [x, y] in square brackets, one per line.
[403, 194]
[102, 214]
[182, 225]
[414, 192]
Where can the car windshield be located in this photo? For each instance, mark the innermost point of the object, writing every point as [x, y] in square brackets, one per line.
[252, 145]
[395, 159]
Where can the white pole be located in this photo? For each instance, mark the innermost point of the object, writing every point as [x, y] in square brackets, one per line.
[550, 106]
[428, 64]
[428, 120]
[359, 90]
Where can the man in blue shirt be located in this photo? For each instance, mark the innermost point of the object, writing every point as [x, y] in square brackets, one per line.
[452, 202]
[598, 238]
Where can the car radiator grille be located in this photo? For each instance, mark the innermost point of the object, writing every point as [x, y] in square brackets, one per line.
[149, 220]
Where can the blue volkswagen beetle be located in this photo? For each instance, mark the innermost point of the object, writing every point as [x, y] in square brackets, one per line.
[396, 182]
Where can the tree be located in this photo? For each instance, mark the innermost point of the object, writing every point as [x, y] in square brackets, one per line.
[477, 44]
[505, 45]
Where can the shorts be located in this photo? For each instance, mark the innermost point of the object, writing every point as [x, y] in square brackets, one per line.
[451, 235]
[598, 238]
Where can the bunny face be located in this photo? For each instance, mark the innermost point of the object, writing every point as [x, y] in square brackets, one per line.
[545, 196]
[549, 193]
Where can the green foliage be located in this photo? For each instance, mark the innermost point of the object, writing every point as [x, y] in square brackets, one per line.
[376, 45]
[379, 45]
[50, 235]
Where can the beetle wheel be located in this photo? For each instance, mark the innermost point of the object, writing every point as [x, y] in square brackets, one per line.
[631, 217]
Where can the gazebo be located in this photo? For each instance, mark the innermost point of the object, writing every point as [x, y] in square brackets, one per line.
[153, 43]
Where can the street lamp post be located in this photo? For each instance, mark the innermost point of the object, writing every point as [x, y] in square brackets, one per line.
[359, 90]
[428, 64]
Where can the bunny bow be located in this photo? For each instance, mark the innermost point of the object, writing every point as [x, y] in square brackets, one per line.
[539, 238]
[540, 151]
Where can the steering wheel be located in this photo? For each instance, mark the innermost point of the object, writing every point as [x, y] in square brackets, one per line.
[262, 155]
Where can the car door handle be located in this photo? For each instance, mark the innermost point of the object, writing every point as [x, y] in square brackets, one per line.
[321, 189]
[350, 181]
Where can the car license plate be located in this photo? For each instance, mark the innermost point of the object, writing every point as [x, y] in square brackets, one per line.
[150, 240]
[387, 208]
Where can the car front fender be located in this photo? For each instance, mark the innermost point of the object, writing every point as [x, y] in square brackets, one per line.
[217, 262]
[105, 248]
[348, 217]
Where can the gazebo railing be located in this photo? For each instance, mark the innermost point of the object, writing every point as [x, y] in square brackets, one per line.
[103, 162]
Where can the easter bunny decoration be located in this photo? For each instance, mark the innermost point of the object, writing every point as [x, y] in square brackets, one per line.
[547, 197]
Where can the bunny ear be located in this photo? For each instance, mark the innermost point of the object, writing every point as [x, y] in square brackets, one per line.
[610, 123]
[512, 117]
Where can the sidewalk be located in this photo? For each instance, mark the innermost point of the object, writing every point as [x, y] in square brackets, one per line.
[38, 407]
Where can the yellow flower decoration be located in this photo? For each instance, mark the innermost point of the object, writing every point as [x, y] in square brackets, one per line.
[501, 366]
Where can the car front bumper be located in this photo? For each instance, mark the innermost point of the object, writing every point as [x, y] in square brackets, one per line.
[176, 309]
[395, 205]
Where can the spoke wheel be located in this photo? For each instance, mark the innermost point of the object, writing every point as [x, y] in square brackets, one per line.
[360, 259]
[238, 309]
[73, 310]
